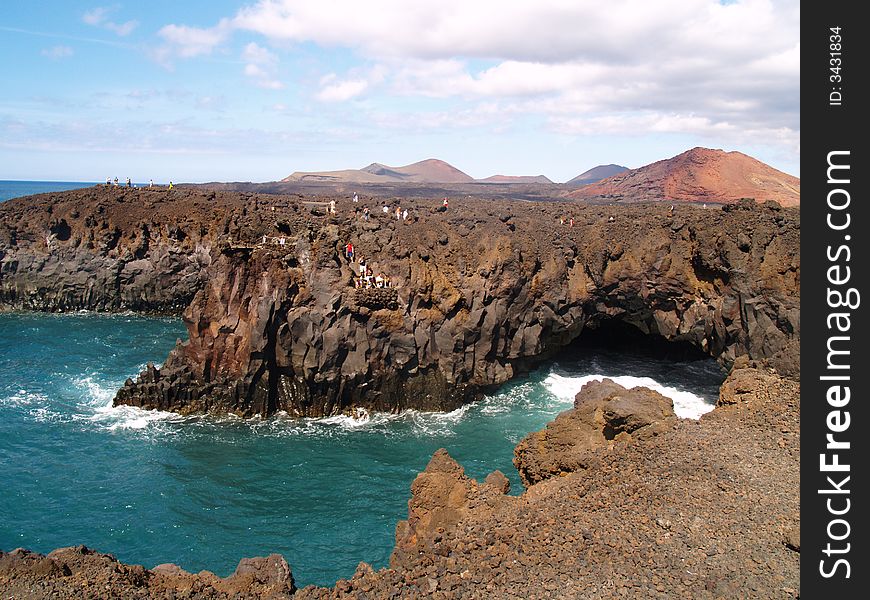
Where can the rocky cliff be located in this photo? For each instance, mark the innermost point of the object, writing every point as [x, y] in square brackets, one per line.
[110, 249]
[479, 292]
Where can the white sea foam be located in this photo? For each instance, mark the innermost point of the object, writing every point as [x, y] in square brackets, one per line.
[45, 415]
[122, 417]
[99, 394]
[360, 418]
[24, 398]
[434, 423]
[100, 411]
[686, 404]
[521, 396]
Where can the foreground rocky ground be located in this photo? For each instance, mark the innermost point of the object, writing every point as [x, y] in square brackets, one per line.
[627, 501]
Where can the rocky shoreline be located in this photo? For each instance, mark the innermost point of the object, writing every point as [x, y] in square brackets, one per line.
[641, 504]
[483, 291]
[623, 499]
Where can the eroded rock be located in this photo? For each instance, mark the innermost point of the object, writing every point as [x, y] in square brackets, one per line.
[274, 322]
[604, 413]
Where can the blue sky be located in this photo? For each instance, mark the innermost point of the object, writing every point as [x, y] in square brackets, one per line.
[253, 90]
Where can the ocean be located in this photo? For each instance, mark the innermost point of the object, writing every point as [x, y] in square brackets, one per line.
[203, 492]
[16, 189]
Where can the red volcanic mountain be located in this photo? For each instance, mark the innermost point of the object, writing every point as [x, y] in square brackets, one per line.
[425, 171]
[699, 175]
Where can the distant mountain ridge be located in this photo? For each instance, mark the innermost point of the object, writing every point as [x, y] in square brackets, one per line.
[430, 170]
[596, 174]
[516, 179]
[698, 175]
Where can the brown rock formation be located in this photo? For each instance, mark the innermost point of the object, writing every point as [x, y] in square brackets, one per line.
[698, 175]
[604, 414]
[482, 291]
[441, 497]
[107, 249]
[79, 572]
[706, 509]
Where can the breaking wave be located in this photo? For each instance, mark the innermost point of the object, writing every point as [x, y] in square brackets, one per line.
[686, 404]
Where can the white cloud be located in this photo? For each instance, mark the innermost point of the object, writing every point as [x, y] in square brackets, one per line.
[353, 85]
[689, 66]
[622, 124]
[188, 42]
[99, 17]
[333, 90]
[256, 54]
[542, 31]
[260, 67]
[57, 52]
[95, 16]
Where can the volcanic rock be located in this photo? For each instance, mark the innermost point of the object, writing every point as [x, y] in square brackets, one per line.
[480, 292]
[79, 572]
[604, 414]
[698, 175]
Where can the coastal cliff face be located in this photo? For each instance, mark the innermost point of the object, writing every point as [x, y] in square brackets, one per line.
[480, 292]
[106, 249]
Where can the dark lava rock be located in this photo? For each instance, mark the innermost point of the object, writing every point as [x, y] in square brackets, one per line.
[277, 325]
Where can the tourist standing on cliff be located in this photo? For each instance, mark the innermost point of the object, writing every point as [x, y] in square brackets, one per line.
[348, 251]
[405, 215]
[444, 204]
[355, 197]
[332, 206]
[362, 267]
[398, 212]
[170, 187]
[366, 213]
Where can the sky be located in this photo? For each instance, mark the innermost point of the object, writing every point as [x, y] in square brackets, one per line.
[223, 90]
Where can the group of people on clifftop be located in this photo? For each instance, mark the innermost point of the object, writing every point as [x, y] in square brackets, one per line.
[114, 183]
[365, 213]
[366, 278]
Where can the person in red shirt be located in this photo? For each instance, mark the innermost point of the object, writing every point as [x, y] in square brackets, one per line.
[348, 251]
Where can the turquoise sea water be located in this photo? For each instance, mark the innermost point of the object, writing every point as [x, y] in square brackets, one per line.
[203, 492]
[16, 189]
